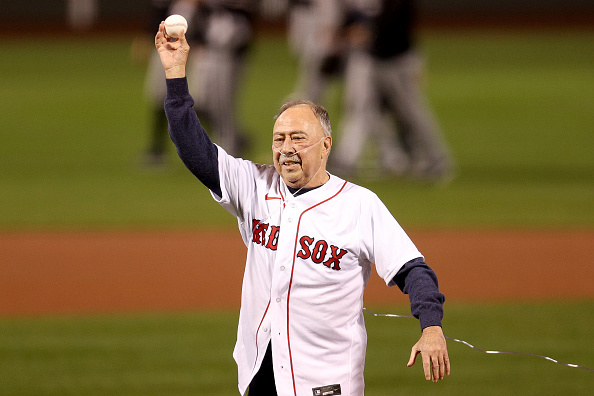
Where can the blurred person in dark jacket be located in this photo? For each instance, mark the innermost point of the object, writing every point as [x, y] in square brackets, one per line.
[384, 98]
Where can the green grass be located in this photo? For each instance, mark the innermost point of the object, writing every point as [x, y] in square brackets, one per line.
[515, 108]
[132, 355]
[546, 329]
[183, 354]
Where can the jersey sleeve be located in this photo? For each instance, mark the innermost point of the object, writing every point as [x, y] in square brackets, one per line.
[240, 181]
[383, 241]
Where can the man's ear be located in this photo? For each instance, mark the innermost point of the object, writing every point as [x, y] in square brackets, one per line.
[327, 144]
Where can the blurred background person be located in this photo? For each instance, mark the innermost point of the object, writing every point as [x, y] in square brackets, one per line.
[363, 120]
[217, 72]
[155, 154]
[312, 27]
[384, 97]
[220, 33]
[82, 14]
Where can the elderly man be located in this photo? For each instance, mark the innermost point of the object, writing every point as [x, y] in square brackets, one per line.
[312, 240]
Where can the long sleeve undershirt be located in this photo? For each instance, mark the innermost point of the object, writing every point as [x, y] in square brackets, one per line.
[200, 155]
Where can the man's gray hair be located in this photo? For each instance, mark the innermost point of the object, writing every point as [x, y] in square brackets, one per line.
[320, 112]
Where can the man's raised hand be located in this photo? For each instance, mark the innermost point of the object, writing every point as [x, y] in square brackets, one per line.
[173, 53]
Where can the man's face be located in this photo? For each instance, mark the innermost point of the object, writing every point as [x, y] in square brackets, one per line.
[300, 148]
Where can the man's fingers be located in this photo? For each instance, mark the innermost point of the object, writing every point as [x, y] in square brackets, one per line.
[426, 367]
[413, 356]
[437, 369]
[431, 370]
[433, 350]
[160, 36]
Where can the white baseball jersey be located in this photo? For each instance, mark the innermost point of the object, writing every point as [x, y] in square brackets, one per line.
[309, 259]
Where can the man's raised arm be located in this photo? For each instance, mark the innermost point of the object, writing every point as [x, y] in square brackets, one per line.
[194, 147]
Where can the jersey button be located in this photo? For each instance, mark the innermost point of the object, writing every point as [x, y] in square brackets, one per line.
[265, 329]
[290, 219]
[282, 268]
[278, 299]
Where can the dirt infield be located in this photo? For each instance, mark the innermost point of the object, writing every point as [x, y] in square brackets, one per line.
[66, 272]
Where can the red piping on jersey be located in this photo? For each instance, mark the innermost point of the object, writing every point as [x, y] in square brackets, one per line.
[291, 280]
[280, 191]
[258, 330]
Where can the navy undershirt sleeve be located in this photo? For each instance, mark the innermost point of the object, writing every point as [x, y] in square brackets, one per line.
[198, 153]
[419, 281]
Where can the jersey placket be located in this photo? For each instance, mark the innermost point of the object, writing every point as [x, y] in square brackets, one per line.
[281, 278]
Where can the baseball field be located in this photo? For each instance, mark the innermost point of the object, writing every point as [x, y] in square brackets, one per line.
[119, 279]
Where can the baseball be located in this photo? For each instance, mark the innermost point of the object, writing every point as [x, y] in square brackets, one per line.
[175, 24]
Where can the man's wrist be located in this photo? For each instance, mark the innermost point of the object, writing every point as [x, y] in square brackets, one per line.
[434, 328]
[175, 72]
[431, 317]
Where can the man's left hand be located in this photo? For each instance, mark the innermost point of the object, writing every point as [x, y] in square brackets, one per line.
[433, 349]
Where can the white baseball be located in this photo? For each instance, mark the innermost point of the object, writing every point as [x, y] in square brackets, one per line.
[175, 24]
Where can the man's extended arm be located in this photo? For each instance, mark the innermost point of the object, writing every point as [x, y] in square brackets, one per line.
[419, 281]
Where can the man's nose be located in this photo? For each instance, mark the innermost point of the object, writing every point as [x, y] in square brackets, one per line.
[287, 147]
